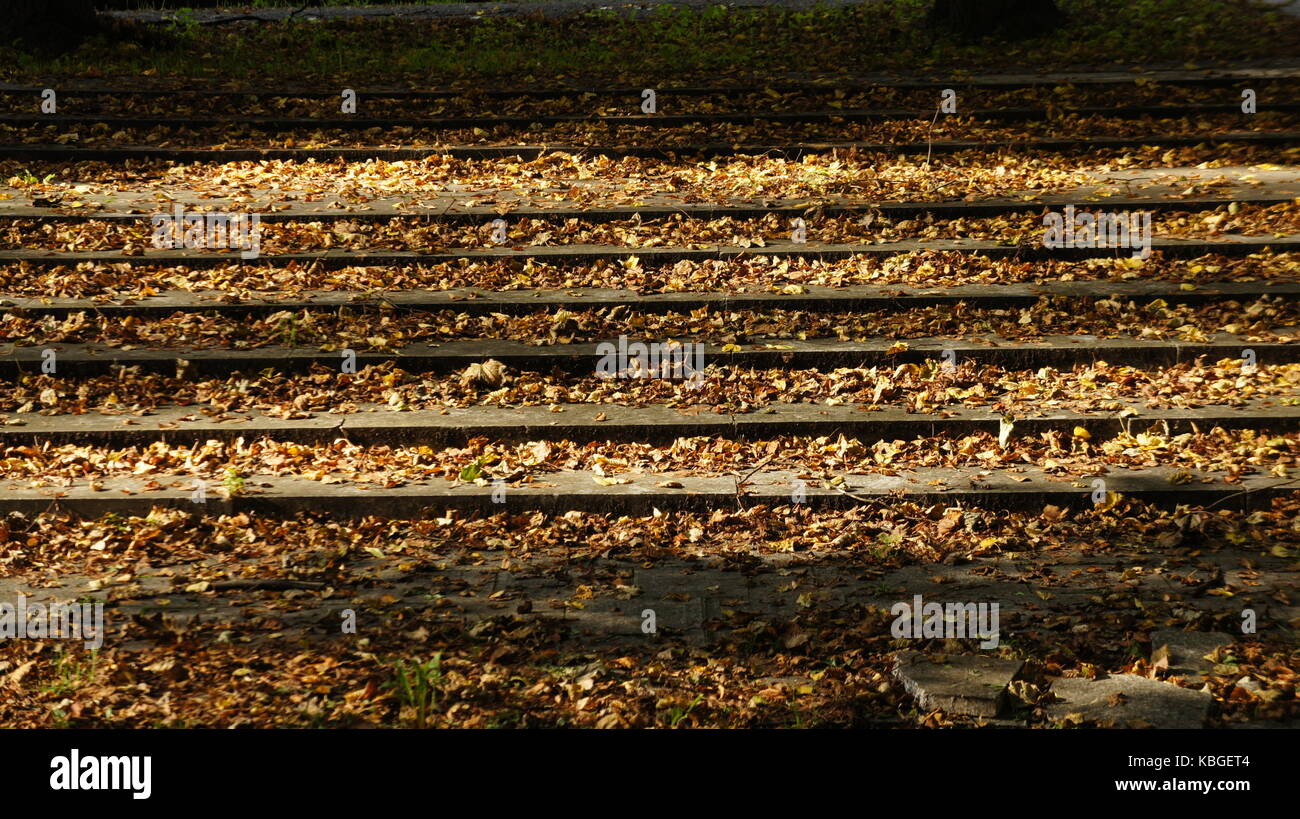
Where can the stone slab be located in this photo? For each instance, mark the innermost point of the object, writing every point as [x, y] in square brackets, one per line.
[1186, 650]
[972, 685]
[1129, 701]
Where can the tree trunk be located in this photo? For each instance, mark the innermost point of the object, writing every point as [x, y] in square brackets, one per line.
[972, 19]
[47, 23]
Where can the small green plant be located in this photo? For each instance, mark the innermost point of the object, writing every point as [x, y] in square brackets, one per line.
[183, 21]
[677, 714]
[26, 177]
[417, 686]
[885, 545]
[506, 720]
[472, 472]
[288, 329]
[233, 481]
[799, 721]
[116, 521]
[71, 673]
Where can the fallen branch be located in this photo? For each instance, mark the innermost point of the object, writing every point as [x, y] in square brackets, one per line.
[1249, 491]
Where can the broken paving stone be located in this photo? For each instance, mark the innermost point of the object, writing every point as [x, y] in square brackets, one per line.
[973, 685]
[1128, 701]
[1186, 650]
